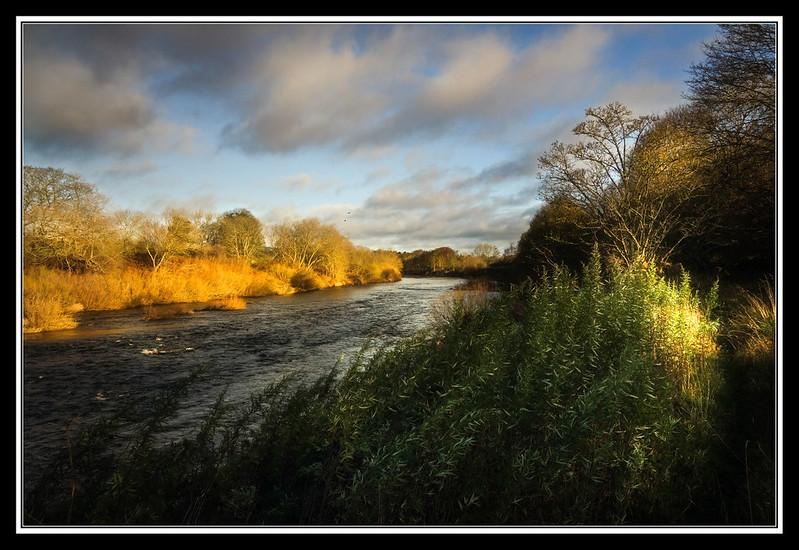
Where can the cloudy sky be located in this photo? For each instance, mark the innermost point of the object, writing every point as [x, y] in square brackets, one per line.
[403, 136]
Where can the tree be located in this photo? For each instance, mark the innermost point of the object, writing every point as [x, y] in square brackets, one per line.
[310, 244]
[511, 251]
[239, 233]
[161, 239]
[559, 233]
[63, 222]
[735, 88]
[618, 174]
[487, 251]
[733, 97]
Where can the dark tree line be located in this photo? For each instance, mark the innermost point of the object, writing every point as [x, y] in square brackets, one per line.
[694, 186]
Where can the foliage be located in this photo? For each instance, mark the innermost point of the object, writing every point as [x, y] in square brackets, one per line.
[557, 236]
[442, 260]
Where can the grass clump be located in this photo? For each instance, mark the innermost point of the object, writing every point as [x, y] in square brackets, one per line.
[41, 313]
[753, 325]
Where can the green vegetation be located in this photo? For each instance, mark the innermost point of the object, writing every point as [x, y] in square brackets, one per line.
[597, 401]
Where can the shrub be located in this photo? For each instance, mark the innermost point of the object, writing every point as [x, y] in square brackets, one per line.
[307, 279]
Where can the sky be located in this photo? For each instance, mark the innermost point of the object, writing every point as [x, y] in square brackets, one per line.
[403, 136]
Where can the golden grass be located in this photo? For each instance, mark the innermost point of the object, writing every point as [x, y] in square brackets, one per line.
[52, 296]
[41, 313]
[753, 324]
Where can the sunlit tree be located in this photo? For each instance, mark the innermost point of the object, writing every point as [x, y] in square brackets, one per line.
[63, 222]
[239, 233]
[631, 175]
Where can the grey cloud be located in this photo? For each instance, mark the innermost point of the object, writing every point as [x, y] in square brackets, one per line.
[127, 170]
[69, 108]
[287, 87]
[523, 166]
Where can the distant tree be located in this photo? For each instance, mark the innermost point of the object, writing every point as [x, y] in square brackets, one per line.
[161, 239]
[487, 251]
[510, 251]
[312, 245]
[443, 259]
[239, 233]
[63, 222]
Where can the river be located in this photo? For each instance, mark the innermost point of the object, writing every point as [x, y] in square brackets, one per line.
[115, 358]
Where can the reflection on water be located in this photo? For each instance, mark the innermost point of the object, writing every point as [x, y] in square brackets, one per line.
[116, 358]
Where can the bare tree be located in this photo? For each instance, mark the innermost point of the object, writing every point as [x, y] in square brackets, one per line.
[312, 245]
[239, 233]
[735, 87]
[161, 239]
[630, 175]
[63, 221]
[487, 251]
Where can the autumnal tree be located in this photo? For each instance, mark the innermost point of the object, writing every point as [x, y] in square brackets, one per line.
[559, 233]
[239, 233]
[161, 239]
[487, 251]
[63, 222]
[630, 175]
[309, 244]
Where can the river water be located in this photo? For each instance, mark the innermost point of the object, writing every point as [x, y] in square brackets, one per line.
[116, 358]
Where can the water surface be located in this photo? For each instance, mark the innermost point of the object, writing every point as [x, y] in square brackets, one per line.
[115, 358]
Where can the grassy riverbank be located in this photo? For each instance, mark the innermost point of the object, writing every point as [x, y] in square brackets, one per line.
[612, 399]
[53, 296]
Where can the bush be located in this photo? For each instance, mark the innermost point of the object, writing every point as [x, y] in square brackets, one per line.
[307, 279]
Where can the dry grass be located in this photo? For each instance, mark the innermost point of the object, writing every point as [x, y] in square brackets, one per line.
[51, 296]
[752, 326]
[43, 313]
[308, 280]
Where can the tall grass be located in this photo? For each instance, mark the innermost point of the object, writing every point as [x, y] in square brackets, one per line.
[753, 325]
[576, 401]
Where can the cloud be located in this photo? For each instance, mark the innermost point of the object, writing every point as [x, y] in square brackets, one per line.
[69, 108]
[288, 87]
[425, 211]
[126, 170]
[644, 94]
[297, 182]
[312, 91]
[524, 166]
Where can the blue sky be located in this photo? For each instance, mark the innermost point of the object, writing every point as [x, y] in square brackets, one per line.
[403, 136]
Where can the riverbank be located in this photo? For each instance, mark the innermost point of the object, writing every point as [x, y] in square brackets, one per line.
[604, 400]
[53, 297]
